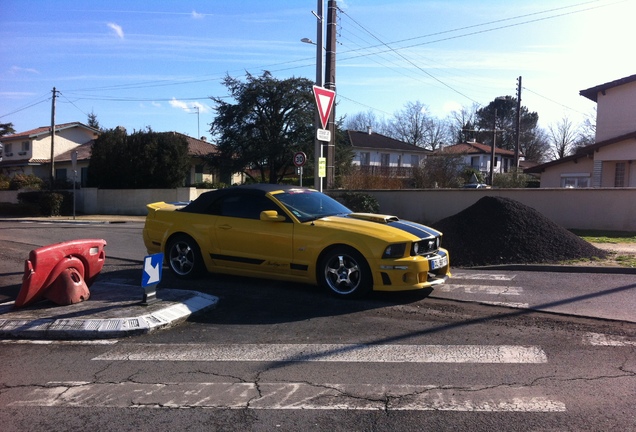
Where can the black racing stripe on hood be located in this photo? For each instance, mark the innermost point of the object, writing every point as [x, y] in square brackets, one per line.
[416, 229]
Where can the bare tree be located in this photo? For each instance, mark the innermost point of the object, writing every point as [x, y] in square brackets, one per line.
[562, 137]
[587, 131]
[438, 134]
[362, 121]
[535, 145]
[412, 124]
[461, 124]
[441, 170]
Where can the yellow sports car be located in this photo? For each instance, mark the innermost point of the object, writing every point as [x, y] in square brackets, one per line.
[295, 234]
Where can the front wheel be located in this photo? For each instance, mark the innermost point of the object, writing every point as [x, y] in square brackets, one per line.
[345, 272]
[184, 257]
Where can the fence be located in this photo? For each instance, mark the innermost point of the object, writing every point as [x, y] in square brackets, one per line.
[603, 209]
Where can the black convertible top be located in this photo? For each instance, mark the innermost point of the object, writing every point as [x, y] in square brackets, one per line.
[258, 189]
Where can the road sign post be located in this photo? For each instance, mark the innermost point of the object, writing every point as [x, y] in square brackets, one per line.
[153, 266]
[300, 159]
[324, 101]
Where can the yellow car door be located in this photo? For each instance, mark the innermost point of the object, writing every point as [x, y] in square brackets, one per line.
[243, 241]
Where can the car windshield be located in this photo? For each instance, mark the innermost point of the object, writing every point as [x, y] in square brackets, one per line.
[308, 205]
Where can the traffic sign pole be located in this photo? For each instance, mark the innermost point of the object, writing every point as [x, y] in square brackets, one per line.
[300, 159]
[151, 276]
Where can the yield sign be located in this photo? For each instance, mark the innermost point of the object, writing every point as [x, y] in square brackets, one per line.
[324, 100]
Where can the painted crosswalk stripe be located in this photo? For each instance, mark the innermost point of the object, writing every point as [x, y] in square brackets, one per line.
[327, 353]
[483, 276]
[288, 396]
[481, 289]
[599, 339]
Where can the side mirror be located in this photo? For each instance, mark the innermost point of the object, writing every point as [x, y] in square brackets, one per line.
[272, 216]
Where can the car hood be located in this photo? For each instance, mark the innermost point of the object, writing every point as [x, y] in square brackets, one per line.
[387, 227]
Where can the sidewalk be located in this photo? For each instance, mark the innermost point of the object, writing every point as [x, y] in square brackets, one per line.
[79, 219]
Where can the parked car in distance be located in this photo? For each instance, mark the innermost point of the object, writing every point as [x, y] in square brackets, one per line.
[476, 186]
[295, 234]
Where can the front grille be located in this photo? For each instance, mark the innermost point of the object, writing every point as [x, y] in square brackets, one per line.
[426, 246]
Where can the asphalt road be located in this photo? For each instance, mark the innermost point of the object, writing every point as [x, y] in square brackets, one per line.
[278, 356]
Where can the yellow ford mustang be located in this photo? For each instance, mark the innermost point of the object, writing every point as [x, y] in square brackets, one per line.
[295, 234]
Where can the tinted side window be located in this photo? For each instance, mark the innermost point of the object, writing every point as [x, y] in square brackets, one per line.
[244, 206]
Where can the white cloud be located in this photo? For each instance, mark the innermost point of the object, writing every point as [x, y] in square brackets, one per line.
[17, 70]
[189, 106]
[197, 15]
[117, 29]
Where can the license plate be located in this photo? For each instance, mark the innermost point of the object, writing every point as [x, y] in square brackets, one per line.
[439, 262]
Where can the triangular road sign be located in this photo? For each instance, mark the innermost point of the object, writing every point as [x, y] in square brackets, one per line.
[324, 101]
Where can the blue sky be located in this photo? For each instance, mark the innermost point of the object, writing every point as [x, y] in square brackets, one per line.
[153, 63]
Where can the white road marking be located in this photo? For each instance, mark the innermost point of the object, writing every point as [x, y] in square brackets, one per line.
[327, 353]
[507, 304]
[288, 396]
[484, 276]
[481, 289]
[58, 342]
[599, 339]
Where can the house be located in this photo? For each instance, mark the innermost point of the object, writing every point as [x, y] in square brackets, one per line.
[609, 162]
[29, 152]
[377, 154]
[478, 157]
[197, 150]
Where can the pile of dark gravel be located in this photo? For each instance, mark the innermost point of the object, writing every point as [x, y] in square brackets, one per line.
[498, 230]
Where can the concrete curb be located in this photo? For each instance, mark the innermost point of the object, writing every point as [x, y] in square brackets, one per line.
[174, 307]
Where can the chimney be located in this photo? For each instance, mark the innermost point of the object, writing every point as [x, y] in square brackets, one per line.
[369, 130]
[204, 138]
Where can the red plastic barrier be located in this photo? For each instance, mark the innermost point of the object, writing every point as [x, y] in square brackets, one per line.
[61, 272]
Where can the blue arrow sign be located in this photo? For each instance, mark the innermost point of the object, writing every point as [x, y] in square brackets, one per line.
[153, 264]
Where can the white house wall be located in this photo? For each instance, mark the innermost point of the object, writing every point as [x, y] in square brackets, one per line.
[551, 177]
[615, 111]
[625, 150]
[375, 158]
[64, 141]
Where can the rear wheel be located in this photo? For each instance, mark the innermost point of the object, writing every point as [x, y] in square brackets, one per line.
[345, 272]
[184, 257]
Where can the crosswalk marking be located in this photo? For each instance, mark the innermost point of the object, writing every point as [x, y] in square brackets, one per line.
[328, 353]
[515, 305]
[483, 276]
[289, 396]
[482, 289]
[599, 339]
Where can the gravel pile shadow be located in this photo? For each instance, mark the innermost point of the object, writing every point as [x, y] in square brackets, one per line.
[498, 230]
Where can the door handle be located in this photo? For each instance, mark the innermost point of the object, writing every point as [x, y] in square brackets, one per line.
[225, 227]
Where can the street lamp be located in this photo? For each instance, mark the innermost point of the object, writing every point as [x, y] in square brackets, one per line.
[319, 81]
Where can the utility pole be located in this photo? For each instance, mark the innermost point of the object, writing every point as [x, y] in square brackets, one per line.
[319, 65]
[330, 83]
[517, 124]
[494, 145]
[198, 128]
[53, 138]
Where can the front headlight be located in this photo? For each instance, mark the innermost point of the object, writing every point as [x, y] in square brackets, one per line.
[394, 251]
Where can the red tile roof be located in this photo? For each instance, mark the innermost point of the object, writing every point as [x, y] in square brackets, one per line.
[198, 147]
[42, 130]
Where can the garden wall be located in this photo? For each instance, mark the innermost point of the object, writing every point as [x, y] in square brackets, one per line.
[603, 209]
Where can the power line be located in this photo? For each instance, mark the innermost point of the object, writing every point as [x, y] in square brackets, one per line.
[46, 99]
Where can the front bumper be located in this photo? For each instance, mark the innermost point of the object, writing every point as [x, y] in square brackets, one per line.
[412, 273]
